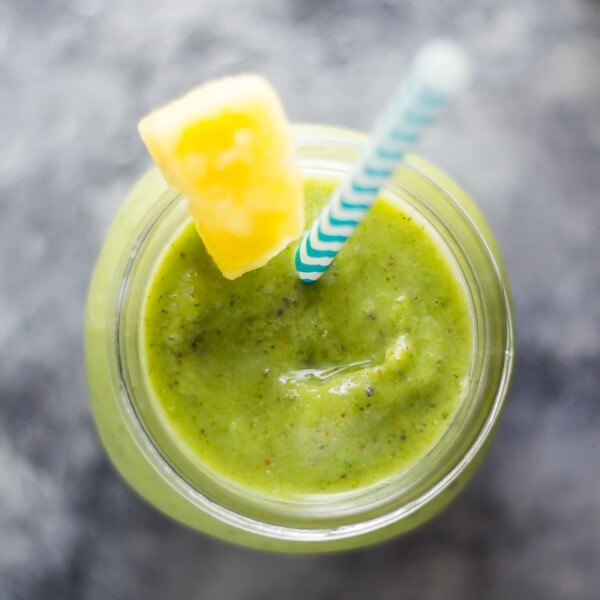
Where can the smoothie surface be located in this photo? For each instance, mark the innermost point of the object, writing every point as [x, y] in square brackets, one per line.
[291, 389]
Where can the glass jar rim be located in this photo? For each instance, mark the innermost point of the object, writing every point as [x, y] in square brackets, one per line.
[325, 137]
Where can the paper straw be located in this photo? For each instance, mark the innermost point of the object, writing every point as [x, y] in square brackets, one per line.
[440, 70]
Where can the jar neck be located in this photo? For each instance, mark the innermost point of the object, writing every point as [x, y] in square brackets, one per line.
[325, 152]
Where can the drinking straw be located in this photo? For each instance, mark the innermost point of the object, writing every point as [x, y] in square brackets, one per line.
[439, 71]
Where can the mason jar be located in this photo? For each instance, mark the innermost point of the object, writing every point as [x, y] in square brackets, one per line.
[141, 446]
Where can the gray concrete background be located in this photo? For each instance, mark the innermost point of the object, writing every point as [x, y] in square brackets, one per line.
[75, 76]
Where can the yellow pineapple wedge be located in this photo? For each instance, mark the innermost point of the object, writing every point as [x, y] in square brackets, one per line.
[227, 147]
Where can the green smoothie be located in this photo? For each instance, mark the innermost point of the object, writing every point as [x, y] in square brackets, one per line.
[290, 389]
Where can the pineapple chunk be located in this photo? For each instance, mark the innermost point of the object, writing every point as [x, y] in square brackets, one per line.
[227, 147]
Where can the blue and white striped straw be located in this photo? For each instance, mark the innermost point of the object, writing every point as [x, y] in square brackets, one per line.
[440, 70]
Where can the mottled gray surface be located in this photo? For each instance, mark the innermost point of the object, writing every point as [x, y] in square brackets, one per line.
[75, 75]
